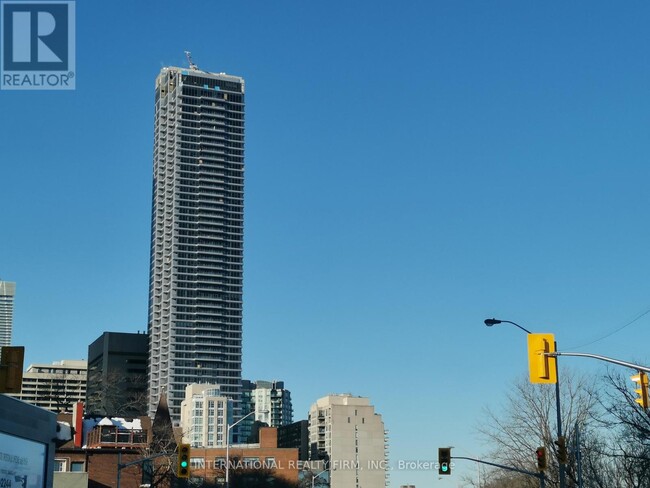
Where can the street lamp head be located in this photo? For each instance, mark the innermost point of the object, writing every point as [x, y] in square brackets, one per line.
[491, 322]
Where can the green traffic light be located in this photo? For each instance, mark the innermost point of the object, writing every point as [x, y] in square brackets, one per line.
[444, 468]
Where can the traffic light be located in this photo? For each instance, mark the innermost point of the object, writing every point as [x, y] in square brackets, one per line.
[642, 391]
[542, 369]
[183, 461]
[562, 455]
[444, 460]
[541, 458]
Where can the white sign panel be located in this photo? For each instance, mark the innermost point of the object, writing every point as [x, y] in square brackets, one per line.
[22, 462]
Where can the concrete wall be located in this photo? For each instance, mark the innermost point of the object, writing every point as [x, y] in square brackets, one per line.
[70, 480]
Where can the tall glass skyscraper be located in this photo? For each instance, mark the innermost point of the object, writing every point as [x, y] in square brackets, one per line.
[7, 293]
[195, 284]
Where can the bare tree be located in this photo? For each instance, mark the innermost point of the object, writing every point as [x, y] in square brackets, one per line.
[160, 471]
[162, 450]
[504, 479]
[57, 393]
[628, 426]
[117, 394]
[614, 442]
[528, 420]
[259, 478]
[241, 476]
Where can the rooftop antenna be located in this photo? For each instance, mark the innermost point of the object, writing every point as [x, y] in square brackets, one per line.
[188, 55]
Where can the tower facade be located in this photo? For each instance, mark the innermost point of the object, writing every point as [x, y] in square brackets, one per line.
[7, 293]
[346, 432]
[270, 401]
[195, 287]
[205, 416]
[117, 375]
[56, 387]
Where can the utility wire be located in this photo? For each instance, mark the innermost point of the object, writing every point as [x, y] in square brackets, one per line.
[614, 331]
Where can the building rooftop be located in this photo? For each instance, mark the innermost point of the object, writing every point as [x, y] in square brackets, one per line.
[205, 74]
[343, 399]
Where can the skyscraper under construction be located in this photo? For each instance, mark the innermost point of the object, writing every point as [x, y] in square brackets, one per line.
[195, 283]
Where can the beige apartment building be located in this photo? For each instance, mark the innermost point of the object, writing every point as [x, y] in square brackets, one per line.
[205, 415]
[57, 386]
[346, 430]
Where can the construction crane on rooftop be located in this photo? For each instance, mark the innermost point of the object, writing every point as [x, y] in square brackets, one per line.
[188, 55]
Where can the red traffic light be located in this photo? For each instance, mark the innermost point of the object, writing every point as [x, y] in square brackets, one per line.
[540, 452]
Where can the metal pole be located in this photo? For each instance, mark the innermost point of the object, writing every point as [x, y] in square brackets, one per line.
[559, 422]
[314, 476]
[228, 428]
[509, 468]
[142, 461]
[227, 456]
[119, 467]
[601, 358]
[578, 455]
[490, 323]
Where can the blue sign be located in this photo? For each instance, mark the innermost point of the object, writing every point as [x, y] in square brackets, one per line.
[38, 41]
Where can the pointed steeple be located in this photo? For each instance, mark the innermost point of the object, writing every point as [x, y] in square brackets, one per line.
[162, 427]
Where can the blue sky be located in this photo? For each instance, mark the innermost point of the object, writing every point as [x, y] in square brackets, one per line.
[412, 168]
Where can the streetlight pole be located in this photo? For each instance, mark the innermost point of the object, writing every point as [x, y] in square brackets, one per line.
[561, 469]
[228, 428]
[559, 422]
[491, 322]
[313, 478]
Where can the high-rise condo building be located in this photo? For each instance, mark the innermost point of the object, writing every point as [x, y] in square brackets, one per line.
[7, 293]
[346, 431]
[195, 284]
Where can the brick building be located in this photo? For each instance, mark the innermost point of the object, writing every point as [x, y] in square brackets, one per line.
[99, 445]
[210, 463]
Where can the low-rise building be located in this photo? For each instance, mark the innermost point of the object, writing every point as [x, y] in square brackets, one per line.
[210, 464]
[101, 444]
